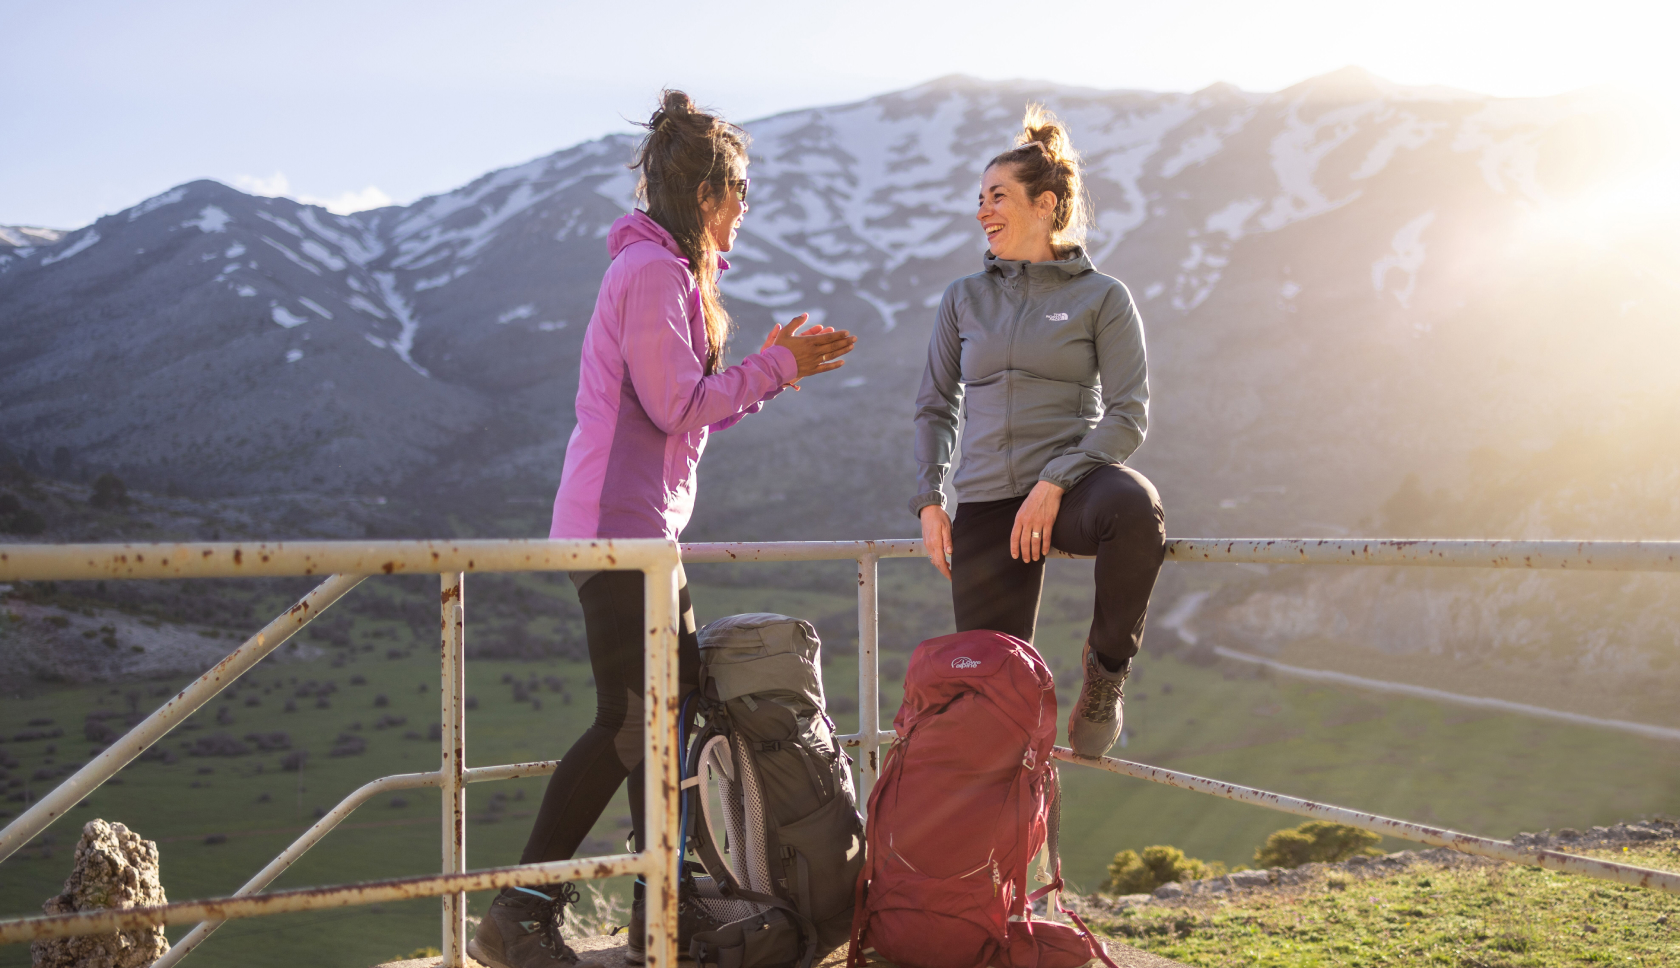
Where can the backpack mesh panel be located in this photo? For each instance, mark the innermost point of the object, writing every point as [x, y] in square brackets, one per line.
[756, 842]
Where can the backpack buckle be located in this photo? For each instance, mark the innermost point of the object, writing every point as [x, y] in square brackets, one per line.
[1027, 761]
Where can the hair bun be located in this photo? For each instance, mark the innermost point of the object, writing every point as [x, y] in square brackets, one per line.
[672, 105]
[676, 102]
[1043, 127]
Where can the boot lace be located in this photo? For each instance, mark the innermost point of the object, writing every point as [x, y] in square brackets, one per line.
[550, 914]
[1100, 695]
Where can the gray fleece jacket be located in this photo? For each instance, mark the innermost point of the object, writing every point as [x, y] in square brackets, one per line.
[1045, 363]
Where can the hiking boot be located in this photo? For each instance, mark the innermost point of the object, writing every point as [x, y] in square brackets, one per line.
[1099, 712]
[690, 921]
[522, 930]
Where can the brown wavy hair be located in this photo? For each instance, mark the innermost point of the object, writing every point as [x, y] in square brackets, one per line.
[1043, 160]
[686, 151]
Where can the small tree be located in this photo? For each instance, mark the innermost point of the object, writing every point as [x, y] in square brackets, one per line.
[109, 492]
[1317, 841]
[1134, 873]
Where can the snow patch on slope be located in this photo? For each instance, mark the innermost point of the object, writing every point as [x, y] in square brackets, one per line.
[1410, 133]
[1406, 258]
[403, 345]
[77, 247]
[286, 317]
[211, 218]
[156, 202]
[1297, 151]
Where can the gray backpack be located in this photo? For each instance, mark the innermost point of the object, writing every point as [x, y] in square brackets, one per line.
[782, 883]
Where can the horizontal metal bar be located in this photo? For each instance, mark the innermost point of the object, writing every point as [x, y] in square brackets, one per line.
[1453, 553]
[856, 739]
[154, 727]
[1435, 836]
[510, 771]
[70, 562]
[1568, 555]
[300, 846]
[110, 921]
[221, 560]
[725, 551]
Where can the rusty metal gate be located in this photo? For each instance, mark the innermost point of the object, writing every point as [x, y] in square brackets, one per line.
[348, 563]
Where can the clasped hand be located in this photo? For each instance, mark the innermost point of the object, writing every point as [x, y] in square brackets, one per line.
[816, 350]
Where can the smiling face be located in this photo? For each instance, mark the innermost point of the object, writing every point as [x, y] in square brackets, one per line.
[1016, 228]
[723, 211]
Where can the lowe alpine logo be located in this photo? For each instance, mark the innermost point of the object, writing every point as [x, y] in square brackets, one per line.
[964, 662]
[1057, 317]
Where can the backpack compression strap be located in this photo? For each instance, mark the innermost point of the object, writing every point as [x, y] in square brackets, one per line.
[1053, 843]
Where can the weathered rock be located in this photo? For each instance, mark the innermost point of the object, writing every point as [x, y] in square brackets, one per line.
[1250, 879]
[1168, 890]
[114, 868]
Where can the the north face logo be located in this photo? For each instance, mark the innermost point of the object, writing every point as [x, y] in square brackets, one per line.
[1056, 317]
[964, 662]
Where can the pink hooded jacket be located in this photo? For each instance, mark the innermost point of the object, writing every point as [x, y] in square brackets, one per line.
[644, 403]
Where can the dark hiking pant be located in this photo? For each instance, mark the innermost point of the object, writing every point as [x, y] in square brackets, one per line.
[611, 749]
[1113, 513]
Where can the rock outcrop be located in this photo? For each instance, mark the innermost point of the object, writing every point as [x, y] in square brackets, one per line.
[114, 868]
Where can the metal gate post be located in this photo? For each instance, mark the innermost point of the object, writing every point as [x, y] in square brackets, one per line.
[454, 783]
[869, 678]
[662, 850]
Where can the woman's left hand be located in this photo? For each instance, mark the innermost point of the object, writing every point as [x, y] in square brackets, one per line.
[1030, 540]
[776, 330]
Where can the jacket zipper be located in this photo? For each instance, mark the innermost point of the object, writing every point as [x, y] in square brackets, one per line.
[1009, 382]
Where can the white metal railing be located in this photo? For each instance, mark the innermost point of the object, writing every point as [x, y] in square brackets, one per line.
[349, 563]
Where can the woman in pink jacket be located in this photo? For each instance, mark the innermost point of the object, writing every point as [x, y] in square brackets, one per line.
[651, 386]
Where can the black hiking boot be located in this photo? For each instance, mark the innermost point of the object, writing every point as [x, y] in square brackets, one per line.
[1099, 712]
[522, 930]
[690, 921]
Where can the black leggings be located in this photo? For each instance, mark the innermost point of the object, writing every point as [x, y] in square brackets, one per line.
[611, 750]
[1113, 512]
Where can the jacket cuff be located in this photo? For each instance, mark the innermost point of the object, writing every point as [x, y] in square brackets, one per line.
[1070, 469]
[787, 368]
[928, 499]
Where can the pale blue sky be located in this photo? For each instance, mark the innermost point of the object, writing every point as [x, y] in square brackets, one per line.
[103, 104]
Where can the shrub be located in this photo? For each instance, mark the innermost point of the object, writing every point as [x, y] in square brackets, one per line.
[1317, 841]
[17, 519]
[1132, 873]
[109, 492]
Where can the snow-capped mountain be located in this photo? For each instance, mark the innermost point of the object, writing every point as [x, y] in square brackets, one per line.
[1334, 281]
[1368, 308]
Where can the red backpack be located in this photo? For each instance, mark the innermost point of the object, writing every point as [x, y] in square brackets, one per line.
[966, 800]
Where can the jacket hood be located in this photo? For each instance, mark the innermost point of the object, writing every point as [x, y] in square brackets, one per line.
[638, 226]
[1077, 263]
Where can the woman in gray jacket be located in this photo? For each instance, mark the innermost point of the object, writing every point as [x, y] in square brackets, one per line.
[1042, 355]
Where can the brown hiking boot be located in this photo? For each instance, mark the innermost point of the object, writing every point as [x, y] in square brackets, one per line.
[522, 930]
[1099, 712]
